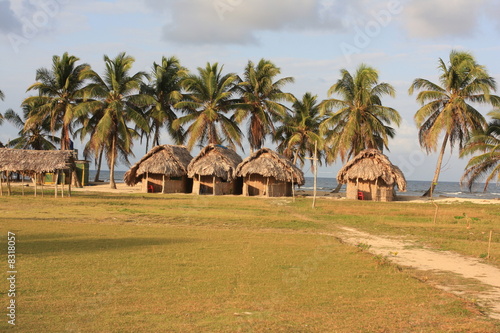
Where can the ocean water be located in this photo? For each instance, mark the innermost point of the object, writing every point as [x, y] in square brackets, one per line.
[414, 188]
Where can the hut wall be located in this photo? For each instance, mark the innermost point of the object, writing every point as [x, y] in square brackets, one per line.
[177, 185]
[371, 191]
[205, 185]
[154, 180]
[254, 185]
[258, 185]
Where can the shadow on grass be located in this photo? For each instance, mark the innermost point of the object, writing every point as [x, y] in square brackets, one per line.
[60, 246]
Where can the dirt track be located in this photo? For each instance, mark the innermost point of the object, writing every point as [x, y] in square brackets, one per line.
[404, 253]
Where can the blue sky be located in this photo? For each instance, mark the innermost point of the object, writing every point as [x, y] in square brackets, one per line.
[310, 40]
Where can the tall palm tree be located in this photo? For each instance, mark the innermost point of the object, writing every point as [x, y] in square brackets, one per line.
[487, 162]
[446, 108]
[58, 94]
[261, 97]
[300, 130]
[37, 136]
[165, 88]
[209, 100]
[357, 120]
[115, 99]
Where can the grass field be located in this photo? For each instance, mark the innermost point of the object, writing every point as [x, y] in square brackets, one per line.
[183, 263]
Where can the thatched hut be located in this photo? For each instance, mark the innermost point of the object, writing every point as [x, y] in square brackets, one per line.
[268, 173]
[37, 163]
[371, 176]
[163, 169]
[213, 171]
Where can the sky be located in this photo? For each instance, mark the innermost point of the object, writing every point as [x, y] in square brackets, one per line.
[310, 40]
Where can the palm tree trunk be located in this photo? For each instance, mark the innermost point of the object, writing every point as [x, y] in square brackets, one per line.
[430, 191]
[112, 183]
[99, 162]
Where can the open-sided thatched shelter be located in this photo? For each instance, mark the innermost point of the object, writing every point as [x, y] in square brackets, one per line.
[371, 176]
[36, 163]
[268, 173]
[163, 169]
[213, 171]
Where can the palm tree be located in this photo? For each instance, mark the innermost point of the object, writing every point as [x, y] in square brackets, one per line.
[446, 108]
[210, 97]
[300, 130]
[35, 136]
[261, 99]
[114, 100]
[487, 163]
[58, 94]
[357, 120]
[165, 88]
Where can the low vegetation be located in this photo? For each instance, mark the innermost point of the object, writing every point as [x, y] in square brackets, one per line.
[183, 263]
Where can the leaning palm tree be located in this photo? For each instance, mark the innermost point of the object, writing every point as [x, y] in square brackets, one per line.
[299, 132]
[165, 88]
[261, 97]
[209, 99]
[58, 94]
[487, 162]
[357, 120]
[446, 108]
[37, 136]
[116, 100]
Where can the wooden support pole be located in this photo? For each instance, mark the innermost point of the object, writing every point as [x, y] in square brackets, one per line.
[22, 185]
[163, 185]
[213, 186]
[9, 190]
[55, 182]
[36, 181]
[62, 185]
[1, 184]
[71, 176]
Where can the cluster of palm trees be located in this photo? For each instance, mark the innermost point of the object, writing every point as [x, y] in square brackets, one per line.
[111, 110]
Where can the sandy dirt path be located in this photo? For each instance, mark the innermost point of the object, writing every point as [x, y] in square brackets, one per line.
[406, 253]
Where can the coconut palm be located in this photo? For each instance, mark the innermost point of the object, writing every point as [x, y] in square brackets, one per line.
[114, 100]
[36, 136]
[446, 108]
[487, 162]
[58, 94]
[209, 99]
[300, 130]
[357, 120]
[261, 97]
[165, 88]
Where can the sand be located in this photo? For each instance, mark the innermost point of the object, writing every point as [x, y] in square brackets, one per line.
[403, 252]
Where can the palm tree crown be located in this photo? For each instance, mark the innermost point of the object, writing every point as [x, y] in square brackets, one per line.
[114, 100]
[58, 94]
[447, 109]
[357, 120]
[261, 97]
[300, 130]
[487, 162]
[165, 88]
[209, 99]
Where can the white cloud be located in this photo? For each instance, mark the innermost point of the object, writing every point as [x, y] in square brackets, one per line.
[443, 18]
[239, 22]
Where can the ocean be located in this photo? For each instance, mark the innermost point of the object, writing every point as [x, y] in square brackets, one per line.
[414, 187]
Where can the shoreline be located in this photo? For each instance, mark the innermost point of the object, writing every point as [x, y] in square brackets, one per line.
[123, 188]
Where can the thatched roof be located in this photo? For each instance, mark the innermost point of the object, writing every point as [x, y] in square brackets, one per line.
[215, 160]
[369, 165]
[35, 161]
[167, 160]
[268, 163]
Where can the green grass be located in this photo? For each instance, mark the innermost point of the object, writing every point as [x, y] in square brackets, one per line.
[182, 263]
